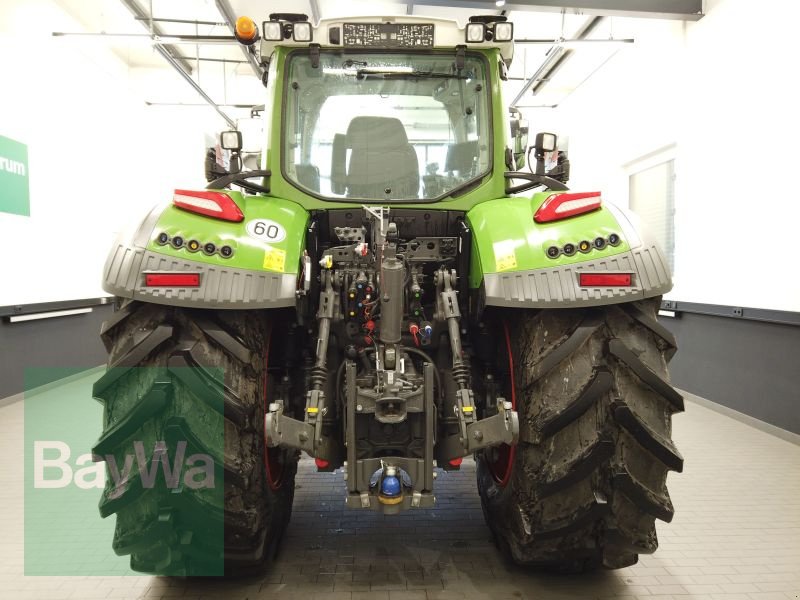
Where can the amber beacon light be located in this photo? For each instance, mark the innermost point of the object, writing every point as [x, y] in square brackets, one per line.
[246, 30]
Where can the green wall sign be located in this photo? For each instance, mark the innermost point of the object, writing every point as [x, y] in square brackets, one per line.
[14, 190]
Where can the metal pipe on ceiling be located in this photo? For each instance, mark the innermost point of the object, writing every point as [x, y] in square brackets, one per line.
[173, 61]
[226, 10]
[553, 55]
[581, 34]
[185, 21]
[316, 15]
[154, 103]
[576, 41]
[557, 55]
[223, 60]
[143, 18]
[682, 10]
[179, 64]
[169, 40]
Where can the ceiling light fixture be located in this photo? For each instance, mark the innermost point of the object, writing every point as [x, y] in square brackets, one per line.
[500, 3]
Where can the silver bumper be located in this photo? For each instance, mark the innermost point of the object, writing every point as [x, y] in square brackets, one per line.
[220, 287]
[559, 287]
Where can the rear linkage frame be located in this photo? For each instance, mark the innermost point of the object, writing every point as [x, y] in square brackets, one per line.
[381, 382]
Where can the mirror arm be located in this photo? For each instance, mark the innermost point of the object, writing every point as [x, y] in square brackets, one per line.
[540, 169]
[235, 163]
[239, 179]
[532, 180]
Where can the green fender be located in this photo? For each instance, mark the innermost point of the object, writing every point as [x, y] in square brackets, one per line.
[511, 266]
[260, 271]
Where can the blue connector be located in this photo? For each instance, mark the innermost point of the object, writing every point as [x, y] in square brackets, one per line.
[390, 486]
[427, 330]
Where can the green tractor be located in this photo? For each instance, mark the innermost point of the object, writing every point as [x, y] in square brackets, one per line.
[389, 293]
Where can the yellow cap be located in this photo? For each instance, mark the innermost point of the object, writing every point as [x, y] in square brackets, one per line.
[388, 500]
[246, 28]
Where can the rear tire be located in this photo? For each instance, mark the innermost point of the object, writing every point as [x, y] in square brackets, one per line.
[587, 480]
[161, 386]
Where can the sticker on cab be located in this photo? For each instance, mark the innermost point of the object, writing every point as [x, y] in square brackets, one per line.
[275, 259]
[266, 230]
[505, 257]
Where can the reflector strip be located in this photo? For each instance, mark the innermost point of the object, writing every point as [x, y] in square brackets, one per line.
[561, 206]
[172, 279]
[190, 202]
[210, 204]
[605, 280]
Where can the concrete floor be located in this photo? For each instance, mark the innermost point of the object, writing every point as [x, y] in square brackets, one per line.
[735, 536]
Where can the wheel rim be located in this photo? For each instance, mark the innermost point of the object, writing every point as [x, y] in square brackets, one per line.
[273, 463]
[502, 461]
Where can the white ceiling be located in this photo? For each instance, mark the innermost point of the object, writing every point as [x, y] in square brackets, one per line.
[111, 16]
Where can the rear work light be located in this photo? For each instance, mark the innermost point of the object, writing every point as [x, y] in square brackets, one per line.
[605, 280]
[503, 32]
[561, 206]
[476, 32]
[210, 204]
[172, 279]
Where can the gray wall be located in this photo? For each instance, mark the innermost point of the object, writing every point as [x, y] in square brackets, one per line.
[750, 366]
[61, 344]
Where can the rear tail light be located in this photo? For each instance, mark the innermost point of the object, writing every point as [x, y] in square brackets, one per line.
[172, 279]
[605, 279]
[455, 462]
[210, 204]
[561, 206]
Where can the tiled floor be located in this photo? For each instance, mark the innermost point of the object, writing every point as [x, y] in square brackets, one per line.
[735, 536]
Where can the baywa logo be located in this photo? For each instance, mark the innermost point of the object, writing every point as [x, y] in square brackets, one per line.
[100, 479]
[195, 471]
[12, 166]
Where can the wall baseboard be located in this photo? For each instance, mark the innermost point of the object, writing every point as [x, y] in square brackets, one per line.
[11, 400]
[747, 365]
[52, 385]
[787, 436]
[64, 345]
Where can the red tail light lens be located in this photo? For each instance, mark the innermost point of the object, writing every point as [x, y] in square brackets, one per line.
[455, 462]
[605, 279]
[210, 204]
[321, 463]
[561, 206]
[172, 280]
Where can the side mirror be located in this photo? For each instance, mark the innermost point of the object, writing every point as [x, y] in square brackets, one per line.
[545, 142]
[231, 140]
[214, 170]
[519, 133]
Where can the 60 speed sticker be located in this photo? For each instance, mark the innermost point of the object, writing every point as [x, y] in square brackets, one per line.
[266, 230]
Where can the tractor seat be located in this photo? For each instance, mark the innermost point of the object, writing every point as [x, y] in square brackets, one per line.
[381, 159]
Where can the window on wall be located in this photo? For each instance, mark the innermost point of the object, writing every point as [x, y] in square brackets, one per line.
[652, 198]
